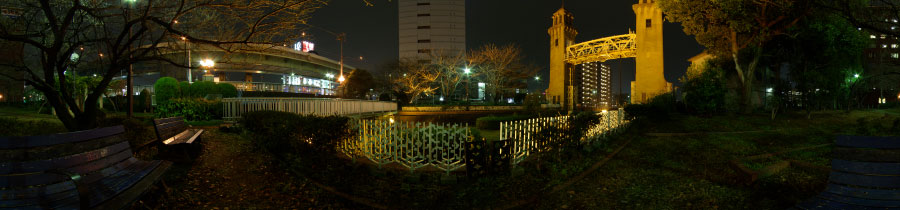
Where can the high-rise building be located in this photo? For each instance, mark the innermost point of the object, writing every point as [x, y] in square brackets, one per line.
[431, 26]
[594, 85]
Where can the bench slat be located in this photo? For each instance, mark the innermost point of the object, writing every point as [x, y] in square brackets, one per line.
[867, 155]
[860, 201]
[864, 180]
[863, 192]
[186, 137]
[167, 120]
[65, 203]
[31, 201]
[62, 162]
[53, 139]
[868, 142]
[23, 193]
[105, 189]
[819, 203]
[866, 167]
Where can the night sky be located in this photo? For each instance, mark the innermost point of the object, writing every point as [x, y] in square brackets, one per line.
[372, 32]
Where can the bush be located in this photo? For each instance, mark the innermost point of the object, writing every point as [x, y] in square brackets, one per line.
[15, 127]
[190, 108]
[143, 102]
[706, 92]
[184, 88]
[203, 88]
[658, 107]
[493, 122]
[166, 88]
[227, 90]
[283, 133]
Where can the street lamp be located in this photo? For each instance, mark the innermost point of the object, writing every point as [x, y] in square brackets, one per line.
[466, 71]
[537, 78]
[856, 75]
[207, 64]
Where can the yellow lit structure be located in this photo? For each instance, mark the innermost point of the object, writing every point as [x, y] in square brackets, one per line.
[646, 46]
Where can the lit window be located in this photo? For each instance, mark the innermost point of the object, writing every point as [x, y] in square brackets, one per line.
[872, 36]
[895, 55]
[894, 46]
[884, 46]
[883, 36]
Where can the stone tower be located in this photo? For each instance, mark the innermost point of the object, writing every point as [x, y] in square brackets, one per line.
[649, 80]
[562, 34]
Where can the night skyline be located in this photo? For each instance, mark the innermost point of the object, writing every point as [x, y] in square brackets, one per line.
[374, 35]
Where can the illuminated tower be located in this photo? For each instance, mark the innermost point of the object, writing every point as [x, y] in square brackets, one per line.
[648, 80]
[562, 34]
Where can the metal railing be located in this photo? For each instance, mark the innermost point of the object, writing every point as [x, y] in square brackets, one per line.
[234, 107]
[522, 132]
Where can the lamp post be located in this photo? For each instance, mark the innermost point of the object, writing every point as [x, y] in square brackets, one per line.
[129, 80]
[208, 65]
[467, 71]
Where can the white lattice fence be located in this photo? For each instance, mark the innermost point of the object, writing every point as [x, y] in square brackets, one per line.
[412, 145]
[521, 133]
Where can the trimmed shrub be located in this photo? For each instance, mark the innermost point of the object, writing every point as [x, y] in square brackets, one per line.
[192, 109]
[493, 122]
[142, 102]
[184, 88]
[166, 88]
[203, 88]
[227, 90]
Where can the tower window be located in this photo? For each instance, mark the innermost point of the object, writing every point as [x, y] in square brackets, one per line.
[423, 15]
[423, 27]
[556, 42]
[649, 23]
[424, 41]
[424, 51]
[423, 4]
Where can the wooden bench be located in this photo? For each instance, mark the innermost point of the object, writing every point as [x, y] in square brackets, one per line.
[85, 169]
[865, 174]
[174, 136]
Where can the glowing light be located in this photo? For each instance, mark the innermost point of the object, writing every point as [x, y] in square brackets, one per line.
[329, 75]
[537, 78]
[176, 21]
[1, 96]
[207, 63]
[391, 119]
[467, 71]
[95, 75]
[856, 75]
[341, 79]
[603, 111]
[101, 54]
[769, 90]
[442, 98]
[183, 38]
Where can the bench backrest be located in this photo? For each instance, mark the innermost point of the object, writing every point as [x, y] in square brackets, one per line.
[168, 127]
[39, 172]
[865, 171]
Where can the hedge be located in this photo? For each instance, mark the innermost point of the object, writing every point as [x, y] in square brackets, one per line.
[166, 88]
[190, 108]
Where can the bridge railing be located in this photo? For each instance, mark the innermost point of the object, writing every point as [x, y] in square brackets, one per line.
[234, 107]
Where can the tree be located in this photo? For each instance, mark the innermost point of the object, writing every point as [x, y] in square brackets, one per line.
[109, 36]
[737, 28]
[358, 84]
[499, 67]
[451, 71]
[413, 79]
[824, 51]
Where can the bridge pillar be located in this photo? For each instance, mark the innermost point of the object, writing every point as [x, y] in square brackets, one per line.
[649, 80]
[562, 34]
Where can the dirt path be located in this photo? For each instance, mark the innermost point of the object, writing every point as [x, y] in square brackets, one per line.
[231, 175]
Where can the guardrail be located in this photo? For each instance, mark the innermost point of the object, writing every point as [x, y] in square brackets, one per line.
[234, 107]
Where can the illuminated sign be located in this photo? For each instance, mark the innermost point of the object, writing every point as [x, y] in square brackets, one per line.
[304, 46]
[305, 81]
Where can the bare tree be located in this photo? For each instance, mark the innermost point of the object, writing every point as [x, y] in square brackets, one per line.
[414, 79]
[500, 67]
[114, 34]
[451, 71]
